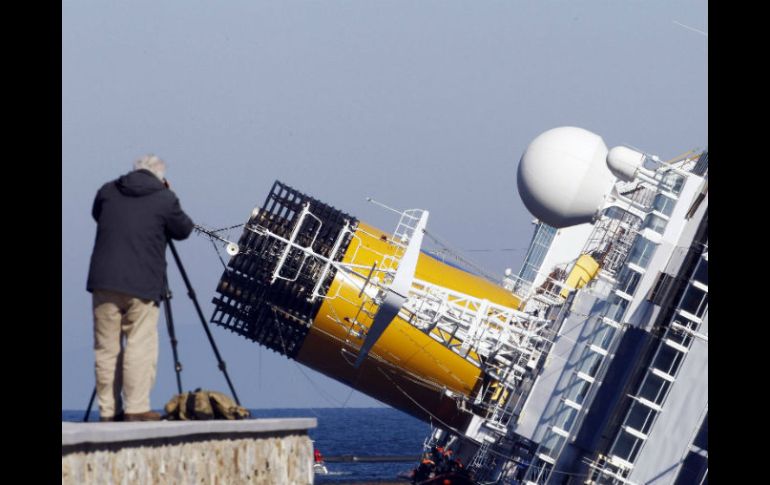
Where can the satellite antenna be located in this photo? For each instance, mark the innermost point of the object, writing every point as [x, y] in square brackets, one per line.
[566, 172]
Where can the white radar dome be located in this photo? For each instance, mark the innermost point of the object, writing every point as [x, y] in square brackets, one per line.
[563, 176]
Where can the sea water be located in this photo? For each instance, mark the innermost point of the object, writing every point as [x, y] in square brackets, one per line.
[350, 431]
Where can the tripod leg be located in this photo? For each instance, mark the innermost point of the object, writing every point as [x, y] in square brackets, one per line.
[90, 403]
[172, 336]
[191, 293]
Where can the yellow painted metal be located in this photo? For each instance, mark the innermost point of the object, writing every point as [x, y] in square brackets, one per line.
[408, 353]
[585, 270]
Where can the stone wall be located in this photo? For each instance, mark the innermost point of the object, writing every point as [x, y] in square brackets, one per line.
[277, 457]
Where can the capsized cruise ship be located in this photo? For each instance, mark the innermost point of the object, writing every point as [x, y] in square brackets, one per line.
[589, 366]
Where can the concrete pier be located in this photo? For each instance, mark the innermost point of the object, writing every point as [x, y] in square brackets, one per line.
[259, 451]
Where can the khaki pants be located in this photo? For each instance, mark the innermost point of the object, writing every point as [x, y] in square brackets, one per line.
[130, 366]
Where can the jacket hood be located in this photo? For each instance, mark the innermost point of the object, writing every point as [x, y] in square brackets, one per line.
[139, 183]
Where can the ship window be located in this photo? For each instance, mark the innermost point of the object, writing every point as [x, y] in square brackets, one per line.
[603, 336]
[626, 447]
[695, 301]
[617, 308]
[662, 288]
[702, 272]
[628, 280]
[577, 391]
[668, 359]
[673, 182]
[541, 242]
[640, 417]
[641, 252]
[551, 444]
[565, 417]
[589, 362]
[654, 388]
[663, 204]
[655, 222]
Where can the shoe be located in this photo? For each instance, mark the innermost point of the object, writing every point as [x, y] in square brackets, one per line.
[148, 416]
[106, 420]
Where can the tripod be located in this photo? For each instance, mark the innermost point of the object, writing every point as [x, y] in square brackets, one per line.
[166, 299]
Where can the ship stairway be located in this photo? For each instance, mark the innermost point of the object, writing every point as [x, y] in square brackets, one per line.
[481, 464]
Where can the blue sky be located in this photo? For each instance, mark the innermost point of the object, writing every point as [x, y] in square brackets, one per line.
[417, 104]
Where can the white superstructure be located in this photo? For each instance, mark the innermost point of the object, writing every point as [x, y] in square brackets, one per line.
[618, 271]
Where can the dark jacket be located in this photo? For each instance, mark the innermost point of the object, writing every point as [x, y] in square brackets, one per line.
[135, 214]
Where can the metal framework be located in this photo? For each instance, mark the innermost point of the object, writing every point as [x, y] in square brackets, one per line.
[270, 273]
[292, 248]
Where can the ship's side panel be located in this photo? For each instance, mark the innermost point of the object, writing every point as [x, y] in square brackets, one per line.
[670, 438]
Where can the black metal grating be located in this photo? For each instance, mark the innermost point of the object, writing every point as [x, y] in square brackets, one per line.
[279, 315]
[702, 165]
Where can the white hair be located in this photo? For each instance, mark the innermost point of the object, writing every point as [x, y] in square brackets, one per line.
[153, 164]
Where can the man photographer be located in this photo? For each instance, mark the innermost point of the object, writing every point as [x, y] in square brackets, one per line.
[135, 214]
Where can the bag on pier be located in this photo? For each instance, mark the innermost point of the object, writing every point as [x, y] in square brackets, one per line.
[202, 405]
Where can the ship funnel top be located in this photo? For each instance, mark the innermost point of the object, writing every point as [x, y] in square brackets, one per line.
[563, 176]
